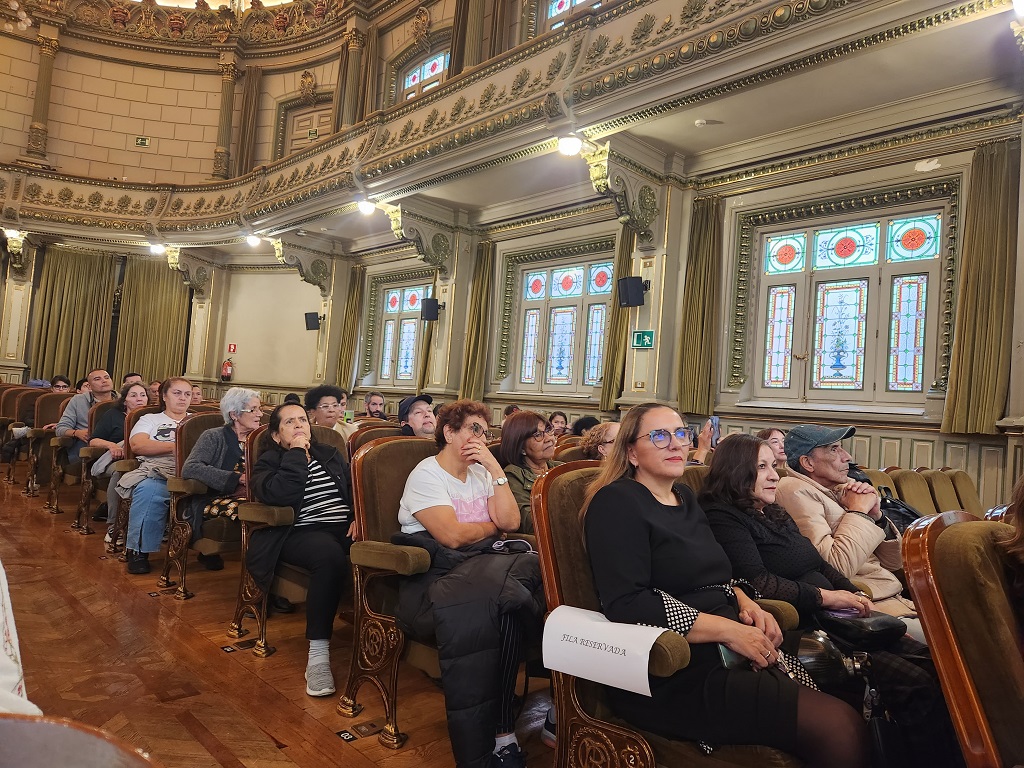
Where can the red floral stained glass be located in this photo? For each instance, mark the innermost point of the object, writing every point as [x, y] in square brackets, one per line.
[536, 285]
[785, 254]
[415, 78]
[913, 238]
[413, 300]
[567, 283]
[433, 68]
[394, 301]
[601, 280]
[845, 247]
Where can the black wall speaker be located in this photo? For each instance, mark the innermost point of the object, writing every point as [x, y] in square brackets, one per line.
[428, 309]
[631, 292]
[312, 321]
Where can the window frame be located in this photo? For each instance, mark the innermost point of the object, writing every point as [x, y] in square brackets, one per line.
[405, 93]
[558, 20]
[398, 320]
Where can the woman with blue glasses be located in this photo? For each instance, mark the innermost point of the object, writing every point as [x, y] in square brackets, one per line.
[656, 562]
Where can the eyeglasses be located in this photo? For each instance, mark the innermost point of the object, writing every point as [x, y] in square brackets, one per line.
[257, 409]
[328, 406]
[662, 438]
[60, 387]
[540, 434]
[606, 442]
[477, 429]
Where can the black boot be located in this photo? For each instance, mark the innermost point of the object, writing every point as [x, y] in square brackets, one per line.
[138, 562]
[100, 515]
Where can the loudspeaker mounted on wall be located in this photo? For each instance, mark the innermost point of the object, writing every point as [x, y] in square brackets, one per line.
[429, 309]
[312, 321]
[631, 291]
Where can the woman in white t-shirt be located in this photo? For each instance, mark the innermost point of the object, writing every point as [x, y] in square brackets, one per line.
[461, 498]
[152, 438]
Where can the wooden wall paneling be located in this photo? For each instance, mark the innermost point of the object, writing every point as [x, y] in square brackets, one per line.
[957, 455]
[861, 449]
[990, 476]
[890, 452]
[922, 453]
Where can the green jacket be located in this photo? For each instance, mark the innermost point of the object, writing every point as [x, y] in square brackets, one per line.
[520, 481]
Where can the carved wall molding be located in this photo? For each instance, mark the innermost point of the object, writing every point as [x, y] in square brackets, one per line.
[433, 240]
[636, 197]
[314, 267]
[195, 274]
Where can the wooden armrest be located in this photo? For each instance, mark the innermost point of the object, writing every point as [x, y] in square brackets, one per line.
[254, 512]
[16, 425]
[35, 434]
[89, 453]
[66, 442]
[862, 587]
[785, 613]
[189, 487]
[390, 557]
[124, 465]
[669, 654]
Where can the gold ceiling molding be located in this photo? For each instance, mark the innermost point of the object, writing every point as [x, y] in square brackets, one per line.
[602, 206]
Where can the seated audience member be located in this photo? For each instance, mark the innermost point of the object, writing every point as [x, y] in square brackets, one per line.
[776, 438]
[598, 442]
[152, 443]
[154, 392]
[374, 403]
[296, 471]
[83, 385]
[218, 461]
[197, 394]
[656, 562]
[437, 409]
[584, 424]
[416, 417]
[20, 442]
[291, 399]
[703, 453]
[132, 378]
[1014, 545]
[325, 406]
[508, 411]
[74, 422]
[842, 517]
[60, 384]
[559, 423]
[108, 432]
[767, 550]
[456, 505]
[527, 445]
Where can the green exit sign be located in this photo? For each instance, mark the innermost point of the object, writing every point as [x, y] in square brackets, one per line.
[643, 339]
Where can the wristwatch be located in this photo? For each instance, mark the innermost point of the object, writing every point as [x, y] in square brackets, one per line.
[501, 481]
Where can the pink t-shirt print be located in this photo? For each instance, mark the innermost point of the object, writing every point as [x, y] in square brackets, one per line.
[471, 510]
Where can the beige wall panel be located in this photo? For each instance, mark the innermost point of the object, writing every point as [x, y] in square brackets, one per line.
[990, 476]
[922, 454]
[956, 455]
[889, 453]
[264, 318]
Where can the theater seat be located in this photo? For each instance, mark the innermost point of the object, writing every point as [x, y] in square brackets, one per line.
[957, 575]
[371, 431]
[942, 490]
[881, 479]
[569, 453]
[913, 489]
[966, 491]
[589, 734]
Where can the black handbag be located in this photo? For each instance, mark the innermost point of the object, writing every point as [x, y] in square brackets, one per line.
[899, 512]
[873, 632]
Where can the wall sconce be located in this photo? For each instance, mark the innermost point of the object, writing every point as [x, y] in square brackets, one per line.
[429, 309]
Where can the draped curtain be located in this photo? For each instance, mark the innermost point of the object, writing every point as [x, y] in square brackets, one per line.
[153, 327]
[979, 371]
[247, 125]
[350, 327]
[71, 313]
[617, 332]
[697, 335]
[474, 359]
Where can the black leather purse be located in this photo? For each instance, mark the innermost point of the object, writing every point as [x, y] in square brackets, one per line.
[898, 511]
[862, 633]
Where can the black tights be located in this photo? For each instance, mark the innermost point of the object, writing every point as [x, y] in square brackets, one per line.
[829, 732]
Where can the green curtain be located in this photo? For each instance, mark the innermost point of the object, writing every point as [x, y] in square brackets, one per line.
[153, 327]
[71, 313]
[350, 327]
[426, 344]
[474, 360]
[617, 330]
[979, 371]
[700, 308]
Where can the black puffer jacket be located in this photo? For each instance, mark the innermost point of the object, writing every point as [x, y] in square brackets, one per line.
[459, 603]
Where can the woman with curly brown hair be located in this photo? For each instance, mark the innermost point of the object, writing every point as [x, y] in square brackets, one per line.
[597, 443]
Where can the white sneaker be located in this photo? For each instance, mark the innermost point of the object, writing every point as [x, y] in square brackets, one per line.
[319, 680]
[108, 538]
[19, 432]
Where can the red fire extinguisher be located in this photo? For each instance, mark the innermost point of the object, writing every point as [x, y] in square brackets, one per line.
[227, 370]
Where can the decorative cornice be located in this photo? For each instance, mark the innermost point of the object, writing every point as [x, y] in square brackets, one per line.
[431, 239]
[947, 189]
[511, 262]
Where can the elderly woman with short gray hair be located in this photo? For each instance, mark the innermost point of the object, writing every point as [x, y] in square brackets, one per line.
[218, 461]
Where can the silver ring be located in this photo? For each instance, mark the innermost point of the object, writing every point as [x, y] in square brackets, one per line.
[768, 655]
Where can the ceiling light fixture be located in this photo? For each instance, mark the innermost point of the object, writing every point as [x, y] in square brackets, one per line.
[570, 145]
[157, 249]
[24, 20]
[365, 206]
[253, 240]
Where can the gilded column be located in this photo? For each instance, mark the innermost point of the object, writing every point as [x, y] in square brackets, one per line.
[356, 42]
[474, 34]
[222, 153]
[37, 130]
[16, 307]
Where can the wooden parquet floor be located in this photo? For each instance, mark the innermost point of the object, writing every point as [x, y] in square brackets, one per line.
[111, 650]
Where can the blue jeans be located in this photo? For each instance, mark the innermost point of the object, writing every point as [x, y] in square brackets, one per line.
[147, 518]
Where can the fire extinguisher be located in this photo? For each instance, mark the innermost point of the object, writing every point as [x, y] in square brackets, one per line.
[227, 369]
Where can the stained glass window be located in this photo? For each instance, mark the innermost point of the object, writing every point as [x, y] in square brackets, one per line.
[535, 286]
[855, 245]
[387, 348]
[840, 324]
[528, 366]
[412, 298]
[785, 253]
[594, 362]
[392, 301]
[560, 345]
[406, 349]
[600, 279]
[905, 370]
[429, 69]
[566, 283]
[778, 359]
[914, 238]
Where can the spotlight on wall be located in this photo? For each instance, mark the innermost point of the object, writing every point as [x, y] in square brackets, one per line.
[157, 249]
[365, 206]
[253, 240]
